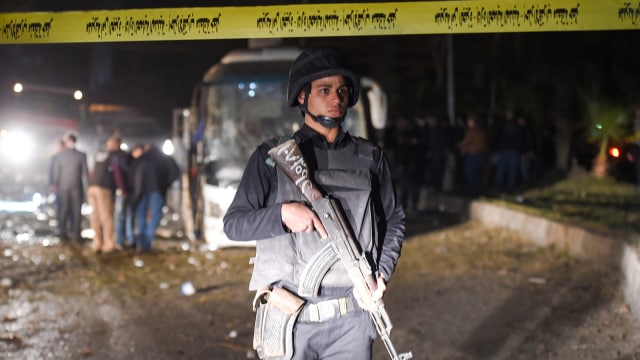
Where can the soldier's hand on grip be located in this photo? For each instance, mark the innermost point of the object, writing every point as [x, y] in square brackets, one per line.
[298, 217]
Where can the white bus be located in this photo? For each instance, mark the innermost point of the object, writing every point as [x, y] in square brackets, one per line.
[241, 102]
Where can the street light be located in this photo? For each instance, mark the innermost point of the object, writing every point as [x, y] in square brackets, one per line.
[53, 92]
[20, 87]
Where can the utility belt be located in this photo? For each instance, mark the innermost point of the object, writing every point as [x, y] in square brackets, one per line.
[326, 310]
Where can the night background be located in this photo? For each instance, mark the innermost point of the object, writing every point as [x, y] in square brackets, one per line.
[549, 77]
[549, 271]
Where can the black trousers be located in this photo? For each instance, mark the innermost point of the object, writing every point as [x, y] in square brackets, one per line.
[70, 216]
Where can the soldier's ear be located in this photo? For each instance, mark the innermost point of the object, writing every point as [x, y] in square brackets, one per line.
[301, 97]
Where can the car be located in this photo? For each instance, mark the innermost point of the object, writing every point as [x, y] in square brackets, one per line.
[621, 161]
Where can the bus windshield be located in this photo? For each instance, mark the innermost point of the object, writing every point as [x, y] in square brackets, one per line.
[240, 115]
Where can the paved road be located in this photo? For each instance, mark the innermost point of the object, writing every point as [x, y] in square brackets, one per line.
[461, 291]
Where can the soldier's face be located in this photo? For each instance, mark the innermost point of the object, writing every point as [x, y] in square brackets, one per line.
[329, 96]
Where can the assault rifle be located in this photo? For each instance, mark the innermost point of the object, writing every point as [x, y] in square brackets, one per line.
[342, 243]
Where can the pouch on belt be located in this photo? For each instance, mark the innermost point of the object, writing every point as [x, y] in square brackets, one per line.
[276, 312]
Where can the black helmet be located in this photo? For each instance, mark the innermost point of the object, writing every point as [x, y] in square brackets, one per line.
[317, 63]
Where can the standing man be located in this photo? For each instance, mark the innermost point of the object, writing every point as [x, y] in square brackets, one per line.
[438, 144]
[634, 139]
[123, 215]
[268, 208]
[53, 188]
[528, 154]
[70, 178]
[153, 174]
[106, 178]
[509, 141]
[473, 146]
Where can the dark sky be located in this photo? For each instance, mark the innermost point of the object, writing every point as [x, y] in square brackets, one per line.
[151, 76]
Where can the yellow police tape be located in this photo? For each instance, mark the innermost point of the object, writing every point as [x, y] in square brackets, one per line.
[315, 20]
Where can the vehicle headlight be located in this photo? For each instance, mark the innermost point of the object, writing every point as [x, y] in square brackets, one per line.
[167, 147]
[17, 146]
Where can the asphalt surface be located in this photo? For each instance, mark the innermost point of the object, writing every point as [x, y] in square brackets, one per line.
[461, 291]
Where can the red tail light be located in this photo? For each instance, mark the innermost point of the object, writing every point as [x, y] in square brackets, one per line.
[614, 152]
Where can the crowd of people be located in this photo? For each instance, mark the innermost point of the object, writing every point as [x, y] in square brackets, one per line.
[125, 190]
[429, 154]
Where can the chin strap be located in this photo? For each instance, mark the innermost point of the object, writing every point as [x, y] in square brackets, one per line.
[326, 121]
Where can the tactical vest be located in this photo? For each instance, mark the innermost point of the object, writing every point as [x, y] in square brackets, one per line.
[343, 174]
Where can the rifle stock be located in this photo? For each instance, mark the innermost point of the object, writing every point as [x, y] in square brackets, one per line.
[291, 161]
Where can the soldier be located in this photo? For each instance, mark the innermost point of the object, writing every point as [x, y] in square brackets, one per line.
[268, 208]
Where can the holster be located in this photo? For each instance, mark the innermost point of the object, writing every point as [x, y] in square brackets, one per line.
[277, 310]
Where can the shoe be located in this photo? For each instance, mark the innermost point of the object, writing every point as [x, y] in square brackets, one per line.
[146, 251]
[118, 247]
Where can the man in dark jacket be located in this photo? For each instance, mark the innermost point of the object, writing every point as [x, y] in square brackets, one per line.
[153, 173]
[124, 209]
[268, 208]
[510, 141]
[70, 176]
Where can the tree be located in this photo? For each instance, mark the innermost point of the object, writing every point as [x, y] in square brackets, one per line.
[606, 122]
